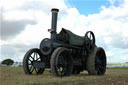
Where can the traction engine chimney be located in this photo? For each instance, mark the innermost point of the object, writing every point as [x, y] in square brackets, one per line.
[54, 23]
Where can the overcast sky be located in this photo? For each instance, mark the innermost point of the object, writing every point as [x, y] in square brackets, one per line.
[24, 23]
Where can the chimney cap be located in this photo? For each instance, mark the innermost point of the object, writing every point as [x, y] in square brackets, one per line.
[55, 10]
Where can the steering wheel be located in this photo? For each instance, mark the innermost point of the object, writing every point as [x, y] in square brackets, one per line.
[89, 40]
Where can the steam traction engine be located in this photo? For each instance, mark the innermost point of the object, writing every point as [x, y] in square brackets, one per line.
[65, 53]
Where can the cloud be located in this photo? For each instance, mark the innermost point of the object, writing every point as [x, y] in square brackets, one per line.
[26, 22]
[10, 29]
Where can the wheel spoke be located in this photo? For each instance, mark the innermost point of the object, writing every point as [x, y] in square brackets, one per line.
[29, 64]
[62, 72]
[36, 70]
[97, 61]
[99, 72]
[61, 64]
[34, 55]
[31, 57]
[101, 67]
[29, 60]
[59, 71]
[37, 59]
[90, 36]
[31, 68]
[64, 69]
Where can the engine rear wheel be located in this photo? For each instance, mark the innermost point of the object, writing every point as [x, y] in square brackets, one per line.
[96, 63]
[32, 56]
[61, 62]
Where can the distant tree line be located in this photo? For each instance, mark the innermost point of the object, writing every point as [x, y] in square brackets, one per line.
[7, 62]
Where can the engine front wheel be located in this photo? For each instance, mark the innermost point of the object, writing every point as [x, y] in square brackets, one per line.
[31, 58]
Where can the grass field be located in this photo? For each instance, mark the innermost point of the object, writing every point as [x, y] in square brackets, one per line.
[16, 76]
[117, 63]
